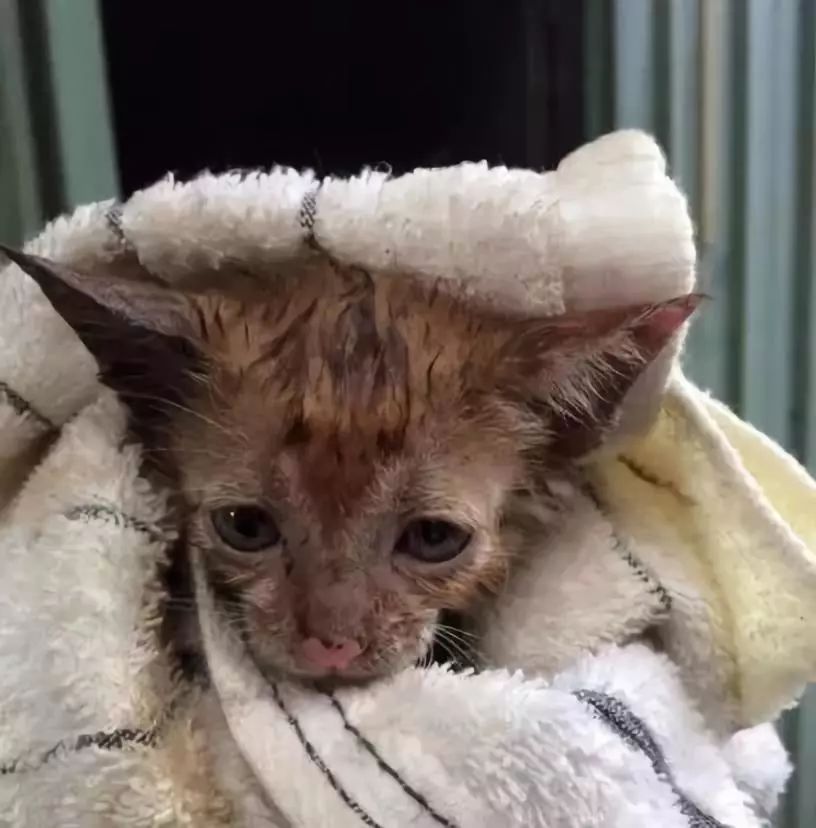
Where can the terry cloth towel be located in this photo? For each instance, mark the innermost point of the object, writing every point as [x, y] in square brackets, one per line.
[694, 534]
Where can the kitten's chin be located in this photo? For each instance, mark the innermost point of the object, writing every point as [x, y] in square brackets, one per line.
[375, 668]
[328, 680]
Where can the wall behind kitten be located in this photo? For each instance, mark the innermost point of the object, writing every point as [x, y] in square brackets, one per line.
[196, 84]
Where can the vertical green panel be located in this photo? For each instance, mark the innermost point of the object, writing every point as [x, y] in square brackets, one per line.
[767, 213]
[80, 98]
[633, 26]
[709, 349]
[599, 98]
[735, 127]
[683, 94]
[800, 727]
[799, 807]
[805, 375]
[56, 145]
[21, 209]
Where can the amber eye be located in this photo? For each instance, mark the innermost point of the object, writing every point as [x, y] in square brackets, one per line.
[433, 541]
[245, 528]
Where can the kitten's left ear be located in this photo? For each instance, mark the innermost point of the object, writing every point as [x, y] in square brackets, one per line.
[142, 333]
[576, 370]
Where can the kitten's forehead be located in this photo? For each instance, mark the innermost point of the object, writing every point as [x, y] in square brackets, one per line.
[342, 351]
[445, 471]
[342, 377]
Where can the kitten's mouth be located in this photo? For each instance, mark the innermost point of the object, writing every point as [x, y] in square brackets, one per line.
[322, 679]
[285, 660]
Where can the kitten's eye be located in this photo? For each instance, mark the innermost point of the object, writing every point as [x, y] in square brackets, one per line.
[433, 541]
[245, 528]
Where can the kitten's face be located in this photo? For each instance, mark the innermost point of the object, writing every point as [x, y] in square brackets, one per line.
[347, 446]
[345, 469]
[334, 555]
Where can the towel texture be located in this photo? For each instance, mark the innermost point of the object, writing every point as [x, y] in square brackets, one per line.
[695, 533]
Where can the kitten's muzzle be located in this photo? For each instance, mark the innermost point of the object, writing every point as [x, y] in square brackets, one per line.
[333, 654]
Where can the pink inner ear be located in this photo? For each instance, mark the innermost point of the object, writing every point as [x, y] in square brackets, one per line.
[662, 321]
[589, 398]
[670, 316]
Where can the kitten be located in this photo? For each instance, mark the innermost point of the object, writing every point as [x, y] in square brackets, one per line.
[347, 447]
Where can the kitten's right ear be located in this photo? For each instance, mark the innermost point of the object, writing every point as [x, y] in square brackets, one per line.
[89, 304]
[142, 334]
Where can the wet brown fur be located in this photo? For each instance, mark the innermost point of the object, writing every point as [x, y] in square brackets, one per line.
[348, 404]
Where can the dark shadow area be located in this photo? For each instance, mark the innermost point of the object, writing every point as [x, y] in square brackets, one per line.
[338, 86]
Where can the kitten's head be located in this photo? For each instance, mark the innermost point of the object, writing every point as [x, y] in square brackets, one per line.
[346, 445]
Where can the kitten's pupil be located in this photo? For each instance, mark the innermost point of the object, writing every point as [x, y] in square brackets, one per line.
[246, 522]
[245, 528]
[434, 532]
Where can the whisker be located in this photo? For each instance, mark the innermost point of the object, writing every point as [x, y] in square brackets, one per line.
[451, 639]
[454, 657]
[178, 406]
[457, 631]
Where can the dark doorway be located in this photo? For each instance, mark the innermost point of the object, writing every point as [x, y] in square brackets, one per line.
[337, 86]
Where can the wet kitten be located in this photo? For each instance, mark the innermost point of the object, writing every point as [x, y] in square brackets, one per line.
[348, 447]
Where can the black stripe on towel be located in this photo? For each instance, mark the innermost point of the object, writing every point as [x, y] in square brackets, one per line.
[635, 733]
[386, 768]
[653, 480]
[655, 587]
[307, 215]
[121, 738]
[108, 514]
[312, 753]
[113, 218]
[23, 407]
[640, 570]
[117, 739]
[308, 211]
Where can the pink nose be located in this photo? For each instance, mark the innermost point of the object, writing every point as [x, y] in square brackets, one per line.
[336, 654]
